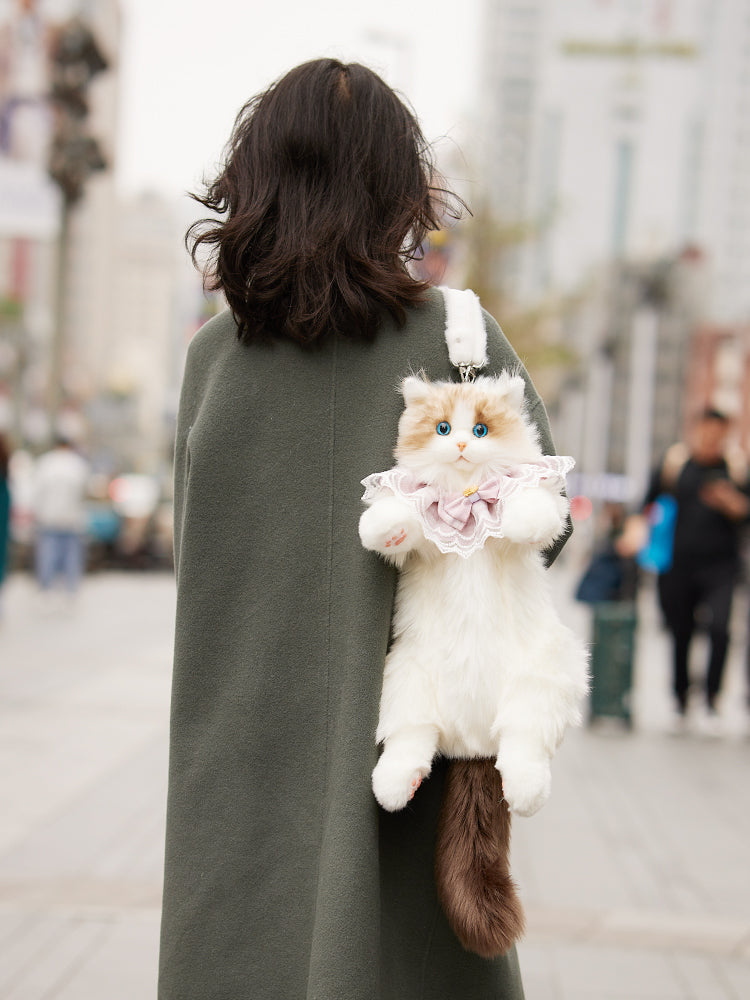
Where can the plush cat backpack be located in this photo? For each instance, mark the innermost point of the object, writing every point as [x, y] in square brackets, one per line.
[481, 669]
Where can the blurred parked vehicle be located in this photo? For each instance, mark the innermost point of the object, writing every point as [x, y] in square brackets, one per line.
[129, 522]
[144, 540]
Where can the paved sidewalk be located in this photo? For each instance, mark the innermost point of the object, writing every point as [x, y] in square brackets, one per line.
[635, 875]
[83, 748]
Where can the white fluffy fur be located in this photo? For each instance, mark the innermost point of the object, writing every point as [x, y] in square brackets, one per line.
[480, 664]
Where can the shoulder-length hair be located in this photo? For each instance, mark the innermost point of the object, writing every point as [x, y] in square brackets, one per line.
[327, 190]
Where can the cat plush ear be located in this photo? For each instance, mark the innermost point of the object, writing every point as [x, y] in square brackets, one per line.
[512, 388]
[415, 390]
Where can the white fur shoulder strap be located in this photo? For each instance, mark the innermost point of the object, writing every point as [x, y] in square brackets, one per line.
[465, 334]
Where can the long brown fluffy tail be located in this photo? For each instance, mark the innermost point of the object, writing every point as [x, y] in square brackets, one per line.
[472, 865]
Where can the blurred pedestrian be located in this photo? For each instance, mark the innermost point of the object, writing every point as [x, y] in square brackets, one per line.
[610, 575]
[4, 513]
[59, 506]
[710, 489]
[609, 584]
[283, 878]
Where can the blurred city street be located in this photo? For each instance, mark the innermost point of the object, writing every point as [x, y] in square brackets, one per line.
[603, 153]
[635, 876]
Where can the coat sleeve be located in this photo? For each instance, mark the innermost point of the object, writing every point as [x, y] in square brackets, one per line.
[502, 356]
[190, 396]
[180, 470]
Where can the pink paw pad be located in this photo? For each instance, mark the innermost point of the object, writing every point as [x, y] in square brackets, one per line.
[396, 539]
[415, 783]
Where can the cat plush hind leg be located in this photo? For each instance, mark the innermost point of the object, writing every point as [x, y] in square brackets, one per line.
[405, 761]
[542, 697]
[408, 729]
[391, 528]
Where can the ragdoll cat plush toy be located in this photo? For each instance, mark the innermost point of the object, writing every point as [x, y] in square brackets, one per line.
[480, 665]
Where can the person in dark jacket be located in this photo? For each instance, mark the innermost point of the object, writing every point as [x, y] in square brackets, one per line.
[712, 503]
[283, 879]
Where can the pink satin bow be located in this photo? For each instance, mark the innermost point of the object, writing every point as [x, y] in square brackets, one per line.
[457, 510]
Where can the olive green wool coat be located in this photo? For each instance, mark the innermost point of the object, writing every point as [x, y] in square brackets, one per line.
[284, 880]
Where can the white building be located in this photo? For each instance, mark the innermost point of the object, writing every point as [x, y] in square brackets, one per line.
[622, 129]
[155, 308]
[618, 132]
[722, 222]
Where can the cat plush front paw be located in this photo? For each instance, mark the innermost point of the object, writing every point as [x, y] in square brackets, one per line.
[526, 785]
[389, 527]
[533, 516]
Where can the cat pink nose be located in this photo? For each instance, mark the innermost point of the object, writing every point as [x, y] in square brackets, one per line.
[461, 445]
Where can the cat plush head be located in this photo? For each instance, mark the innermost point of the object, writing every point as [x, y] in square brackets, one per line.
[454, 434]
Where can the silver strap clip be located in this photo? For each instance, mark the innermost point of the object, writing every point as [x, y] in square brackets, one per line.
[468, 372]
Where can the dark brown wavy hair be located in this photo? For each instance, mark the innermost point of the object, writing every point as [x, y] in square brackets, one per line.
[327, 190]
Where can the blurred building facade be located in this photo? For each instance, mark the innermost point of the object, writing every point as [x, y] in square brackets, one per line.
[619, 135]
[32, 209]
[29, 207]
[155, 299]
[131, 299]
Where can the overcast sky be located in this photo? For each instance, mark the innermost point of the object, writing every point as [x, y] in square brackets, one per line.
[187, 66]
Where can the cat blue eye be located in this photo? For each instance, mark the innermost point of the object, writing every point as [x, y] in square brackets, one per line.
[443, 428]
[480, 430]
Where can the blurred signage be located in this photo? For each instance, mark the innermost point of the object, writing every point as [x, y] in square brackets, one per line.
[29, 201]
[609, 486]
[630, 48]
